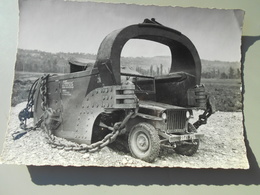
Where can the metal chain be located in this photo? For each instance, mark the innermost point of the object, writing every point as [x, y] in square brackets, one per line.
[109, 138]
[53, 141]
[26, 114]
[206, 114]
[43, 92]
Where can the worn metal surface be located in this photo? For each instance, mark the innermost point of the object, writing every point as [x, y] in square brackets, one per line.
[78, 111]
[106, 99]
[50, 119]
[65, 94]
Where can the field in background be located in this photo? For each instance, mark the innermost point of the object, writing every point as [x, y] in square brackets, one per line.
[21, 85]
[227, 92]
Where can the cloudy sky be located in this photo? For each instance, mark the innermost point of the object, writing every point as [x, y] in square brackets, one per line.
[58, 26]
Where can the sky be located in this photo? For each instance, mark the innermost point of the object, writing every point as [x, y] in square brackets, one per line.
[58, 26]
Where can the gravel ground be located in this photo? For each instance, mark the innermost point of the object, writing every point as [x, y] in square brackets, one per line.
[222, 147]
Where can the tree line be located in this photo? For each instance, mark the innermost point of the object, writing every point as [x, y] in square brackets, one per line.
[231, 74]
[45, 62]
[159, 70]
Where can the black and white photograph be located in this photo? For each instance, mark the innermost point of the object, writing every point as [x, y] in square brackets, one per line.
[123, 85]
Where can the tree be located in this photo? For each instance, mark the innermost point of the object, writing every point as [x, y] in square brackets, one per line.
[158, 71]
[238, 75]
[231, 73]
[223, 75]
[151, 70]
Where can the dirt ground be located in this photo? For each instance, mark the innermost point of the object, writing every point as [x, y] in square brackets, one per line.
[221, 147]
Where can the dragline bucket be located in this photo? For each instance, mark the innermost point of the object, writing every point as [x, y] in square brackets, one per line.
[79, 98]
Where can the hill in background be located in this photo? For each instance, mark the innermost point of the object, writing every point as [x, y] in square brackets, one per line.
[45, 62]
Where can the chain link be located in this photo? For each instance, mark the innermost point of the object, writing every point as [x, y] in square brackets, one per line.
[52, 140]
[206, 114]
[27, 113]
[84, 147]
[43, 92]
